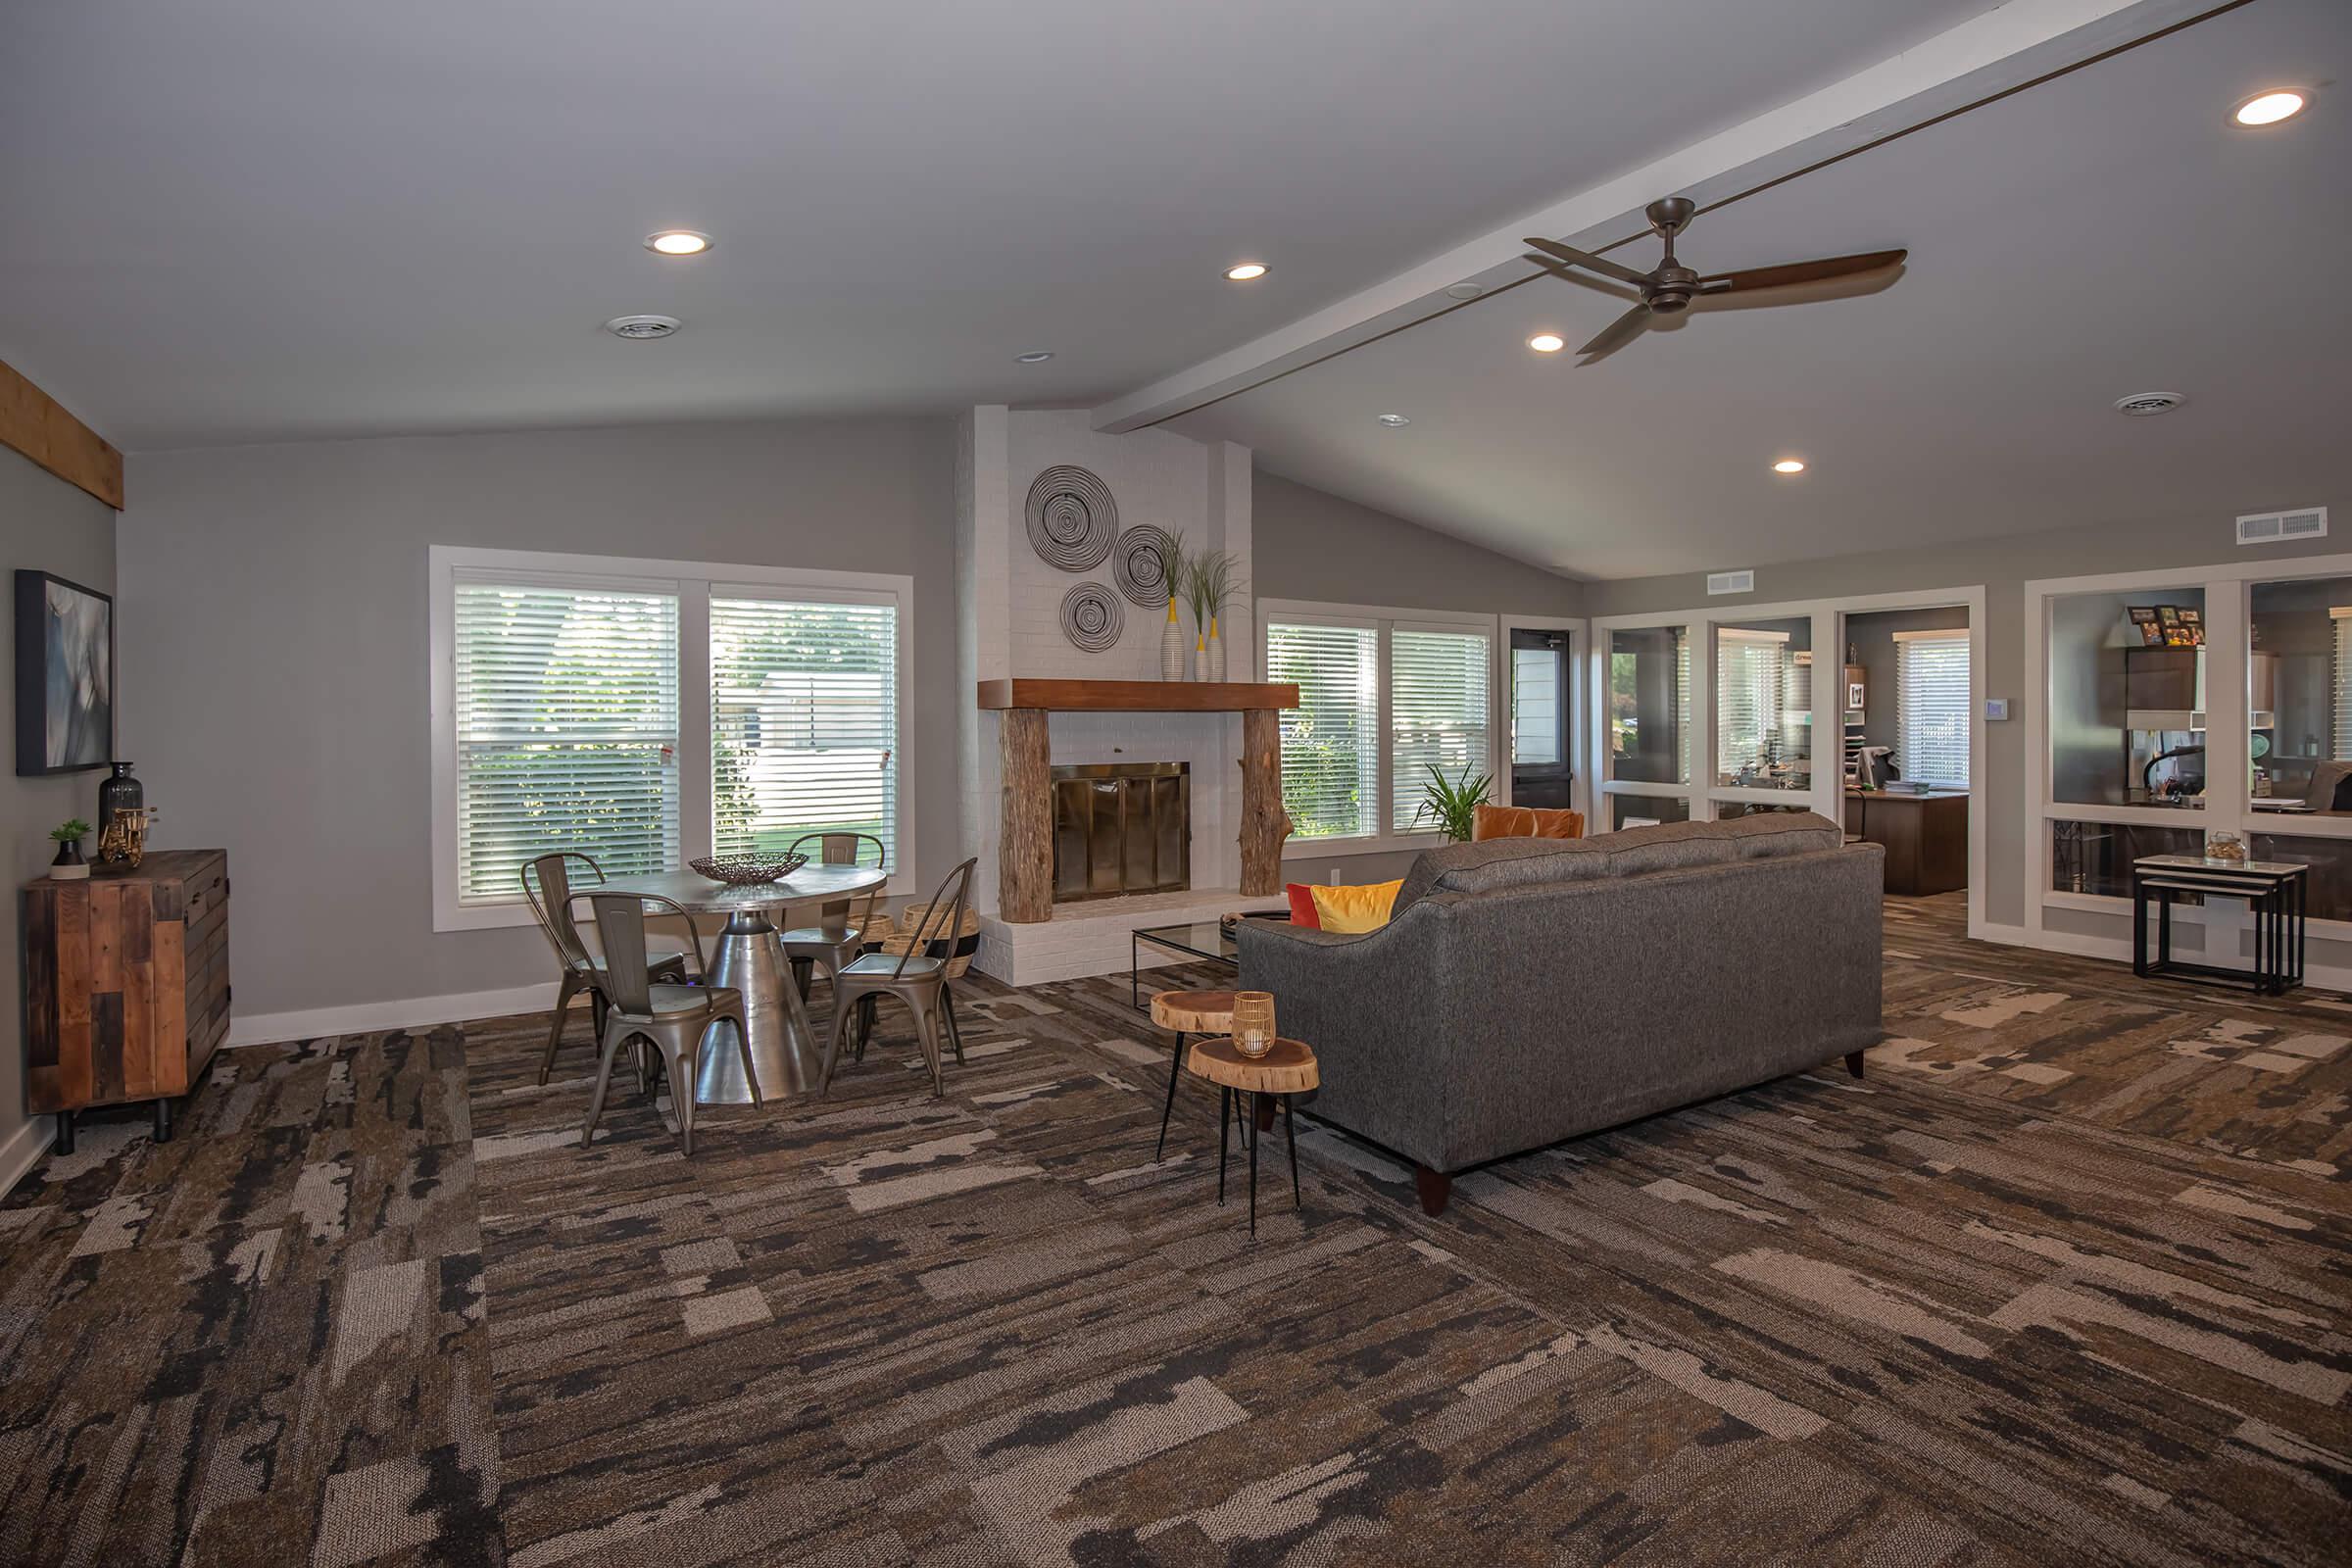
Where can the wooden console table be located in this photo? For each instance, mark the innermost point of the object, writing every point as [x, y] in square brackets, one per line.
[125, 984]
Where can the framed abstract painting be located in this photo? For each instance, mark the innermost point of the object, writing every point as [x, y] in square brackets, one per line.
[64, 675]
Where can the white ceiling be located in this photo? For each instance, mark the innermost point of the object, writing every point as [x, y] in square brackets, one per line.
[253, 219]
[2097, 235]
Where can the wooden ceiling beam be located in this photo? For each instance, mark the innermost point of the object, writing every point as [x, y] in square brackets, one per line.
[34, 422]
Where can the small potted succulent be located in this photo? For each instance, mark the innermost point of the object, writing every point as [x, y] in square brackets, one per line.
[69, 867]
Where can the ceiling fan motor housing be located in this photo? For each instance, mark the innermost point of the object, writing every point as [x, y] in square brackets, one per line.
[1670, 289]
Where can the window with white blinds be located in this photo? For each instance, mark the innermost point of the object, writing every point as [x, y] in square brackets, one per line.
[1331, 741]
[804, 714]
[565, 728]
[1751, 698]
[647, 712]
[2340, 689]
[1930, 706]
[1439, 685]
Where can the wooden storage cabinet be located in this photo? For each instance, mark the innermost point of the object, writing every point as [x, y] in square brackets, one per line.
[125, 984]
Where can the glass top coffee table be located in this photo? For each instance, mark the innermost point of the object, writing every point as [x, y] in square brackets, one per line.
[1206, 940]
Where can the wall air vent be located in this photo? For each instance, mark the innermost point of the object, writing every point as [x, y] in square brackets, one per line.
[1731, 582]
[2278, 528]
[2140, 405]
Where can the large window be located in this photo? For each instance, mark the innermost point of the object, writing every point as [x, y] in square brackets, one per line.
[566, 728]
[1381, 700]
[647, 712]
[1331, 741]
[1764, 705]
[1931, 706]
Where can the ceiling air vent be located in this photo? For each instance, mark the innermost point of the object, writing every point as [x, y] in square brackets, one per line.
[1731, 582]
[2140, 405]
[2277, 528]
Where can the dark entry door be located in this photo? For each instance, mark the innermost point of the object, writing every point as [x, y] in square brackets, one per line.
[1540, 694]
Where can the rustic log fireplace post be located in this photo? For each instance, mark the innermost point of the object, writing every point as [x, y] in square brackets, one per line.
[1025, 850]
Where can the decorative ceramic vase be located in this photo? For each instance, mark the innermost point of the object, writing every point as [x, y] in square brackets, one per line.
[1171, 646]
[1216, 652]
[1200, 657]
[1253, 1022]
[121, 793]
[69, 866]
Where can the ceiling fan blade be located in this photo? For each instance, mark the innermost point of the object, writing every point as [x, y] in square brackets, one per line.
[1616, 335]
[1586, 259]
[1802, 271]
[1598, 285]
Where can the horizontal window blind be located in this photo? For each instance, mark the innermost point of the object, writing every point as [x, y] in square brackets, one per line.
[1438, 691]
[803, 711]
[1331, 741]
[1750, 696]
[566, 718]
[1931, 706]
[2340, 727]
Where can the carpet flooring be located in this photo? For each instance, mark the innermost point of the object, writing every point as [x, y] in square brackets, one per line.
[2068, 1277]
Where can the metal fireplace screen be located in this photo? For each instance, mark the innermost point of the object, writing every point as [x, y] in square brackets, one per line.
[1120, 828]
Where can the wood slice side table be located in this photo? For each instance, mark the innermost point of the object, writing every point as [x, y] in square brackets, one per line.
[1286, 1071]
[1187, 1012]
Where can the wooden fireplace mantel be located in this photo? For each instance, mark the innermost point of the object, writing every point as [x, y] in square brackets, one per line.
[1025, 848]
[1138, 696]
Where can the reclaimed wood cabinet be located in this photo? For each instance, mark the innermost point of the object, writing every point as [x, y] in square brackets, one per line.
[125, 984]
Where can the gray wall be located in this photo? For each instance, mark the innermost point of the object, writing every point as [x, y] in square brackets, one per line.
[1872, 637]
[48, 524]
[1309, 544]
[2002, 567]
[275, 659]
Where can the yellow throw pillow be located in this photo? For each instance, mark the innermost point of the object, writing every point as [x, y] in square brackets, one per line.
[1351, 912]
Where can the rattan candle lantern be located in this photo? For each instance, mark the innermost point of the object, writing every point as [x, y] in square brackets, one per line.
[1253, 1022]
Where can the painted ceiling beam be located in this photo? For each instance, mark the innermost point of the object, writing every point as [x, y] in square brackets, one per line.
[2000, 50]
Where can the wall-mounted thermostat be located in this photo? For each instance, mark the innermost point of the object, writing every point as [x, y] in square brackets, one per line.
[1996, 709]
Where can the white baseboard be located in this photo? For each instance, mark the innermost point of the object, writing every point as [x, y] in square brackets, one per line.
[23, 1149]
[268, 1028]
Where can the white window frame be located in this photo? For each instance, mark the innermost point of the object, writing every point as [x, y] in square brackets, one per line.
[2224, 927]
[1701, 797]
[695, 583]
[1386, 620]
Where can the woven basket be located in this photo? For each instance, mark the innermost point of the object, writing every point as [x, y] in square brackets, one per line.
[885, 934]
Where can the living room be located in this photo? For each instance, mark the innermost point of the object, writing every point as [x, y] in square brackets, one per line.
[916, 786]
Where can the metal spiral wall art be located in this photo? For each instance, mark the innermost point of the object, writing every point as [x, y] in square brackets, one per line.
[1091, 617]
[1140, 565]
[1072, 520]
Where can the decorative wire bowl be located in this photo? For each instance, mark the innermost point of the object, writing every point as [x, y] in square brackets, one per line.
[747, 873]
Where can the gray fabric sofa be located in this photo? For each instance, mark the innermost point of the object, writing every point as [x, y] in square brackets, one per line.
[1528, 990]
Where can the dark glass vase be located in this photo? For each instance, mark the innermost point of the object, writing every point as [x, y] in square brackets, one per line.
[119, 792]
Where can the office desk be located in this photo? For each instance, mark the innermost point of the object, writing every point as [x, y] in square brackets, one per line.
[1925, 837]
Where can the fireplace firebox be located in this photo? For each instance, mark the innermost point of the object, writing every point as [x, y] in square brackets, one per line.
[1121, 828]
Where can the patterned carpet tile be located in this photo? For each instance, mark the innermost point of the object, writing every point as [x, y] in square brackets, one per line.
[2064, 1278]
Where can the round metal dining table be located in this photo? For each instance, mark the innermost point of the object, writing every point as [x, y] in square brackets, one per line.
[749, 957]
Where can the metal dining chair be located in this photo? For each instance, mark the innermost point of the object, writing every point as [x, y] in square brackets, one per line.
[917, 976]
[676, 1019]
[548, 882]
[833, 941]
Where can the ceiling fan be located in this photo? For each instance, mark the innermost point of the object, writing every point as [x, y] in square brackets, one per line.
[1670, 289]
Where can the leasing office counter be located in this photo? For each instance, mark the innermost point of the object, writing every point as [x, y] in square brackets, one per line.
[1925, 837]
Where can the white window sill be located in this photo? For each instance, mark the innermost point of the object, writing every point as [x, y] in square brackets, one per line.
[1337, 849]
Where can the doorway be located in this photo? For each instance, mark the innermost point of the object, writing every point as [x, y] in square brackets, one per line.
[1542, 774]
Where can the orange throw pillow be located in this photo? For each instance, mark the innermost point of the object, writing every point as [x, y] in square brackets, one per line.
[1303, 904]
[1525, 823]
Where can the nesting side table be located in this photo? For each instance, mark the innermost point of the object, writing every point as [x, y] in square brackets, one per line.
[2274, 890]
[1287, 1070]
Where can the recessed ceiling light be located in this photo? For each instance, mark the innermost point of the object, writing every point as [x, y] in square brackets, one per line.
[1548, 342]
[1244, 272]
[1394, 422]
[642, 328]
[2142, 405]
[1789, 465]
[1035, 355]
[2268, 107]
[678, 242]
